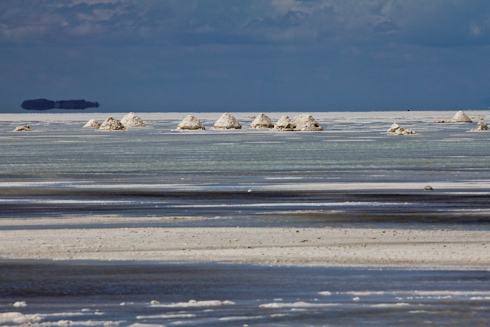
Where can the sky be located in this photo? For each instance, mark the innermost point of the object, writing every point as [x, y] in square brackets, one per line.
[247, 55]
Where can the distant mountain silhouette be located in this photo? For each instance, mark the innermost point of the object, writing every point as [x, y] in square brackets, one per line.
[44, 104]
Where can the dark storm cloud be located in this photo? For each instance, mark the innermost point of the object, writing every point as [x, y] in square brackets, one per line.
[329, 54]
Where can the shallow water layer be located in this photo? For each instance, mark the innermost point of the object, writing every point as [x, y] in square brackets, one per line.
[121, 294]
[351, 173]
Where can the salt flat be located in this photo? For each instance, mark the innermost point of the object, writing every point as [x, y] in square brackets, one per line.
[129, 176]
[428, 249]
[321, 116]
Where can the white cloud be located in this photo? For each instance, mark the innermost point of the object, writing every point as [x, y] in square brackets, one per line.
[276, 21]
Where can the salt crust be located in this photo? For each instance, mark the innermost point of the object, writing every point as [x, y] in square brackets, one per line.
[416, 249]
[262, 121]
[92, 123]
[36, 320]
[112, 124]
[227, 121]
[24, 128]
[306, 122]
[19, 318]
[284, 124]
[398, 130]
[132, 120]
[191, 123]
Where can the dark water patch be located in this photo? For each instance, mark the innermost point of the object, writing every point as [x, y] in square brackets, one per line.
[255, 209]
[263, 296]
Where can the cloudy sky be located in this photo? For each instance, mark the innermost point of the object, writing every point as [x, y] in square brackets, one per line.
[247, 55]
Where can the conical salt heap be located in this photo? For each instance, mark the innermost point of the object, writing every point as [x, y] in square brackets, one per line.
[227, 121]
[262, 121]
[132, 120]
[306, 122]
[190, 123]
[284, 124]
[398, 130]
[461, 117]
[92, 123]
[112, 124]
[24, 128]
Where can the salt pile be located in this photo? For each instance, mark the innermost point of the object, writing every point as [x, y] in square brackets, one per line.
[227, 121]
[92, 123]
[284, 124]
[24, 128]
[459, 117]
[112, 124]
[132, 120]
[190, 123]
[481, 127]
[398, 130]
[262, 121]
[306, 122]
[20, 304]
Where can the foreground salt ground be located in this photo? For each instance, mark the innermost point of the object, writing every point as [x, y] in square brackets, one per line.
[437, 249]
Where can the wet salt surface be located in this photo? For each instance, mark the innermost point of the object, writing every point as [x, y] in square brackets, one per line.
[64, 169]
[122, 294]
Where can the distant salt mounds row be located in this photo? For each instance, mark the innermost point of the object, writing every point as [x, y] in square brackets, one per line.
[227, 122]
[112, 124]
[304, 122]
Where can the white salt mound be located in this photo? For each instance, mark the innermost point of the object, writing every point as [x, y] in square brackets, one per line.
[461, 117]
[227, 121]
[24, 128]
[112, 124]
[190, 123]
[132, 120]
[284, 124]
[92, 123]
[306, 122]
[262, 121]
[398, 130]
[481, 126]
[20, 304]
[393, 128]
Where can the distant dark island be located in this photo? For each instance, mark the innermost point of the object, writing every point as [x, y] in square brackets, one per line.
[43, 104]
